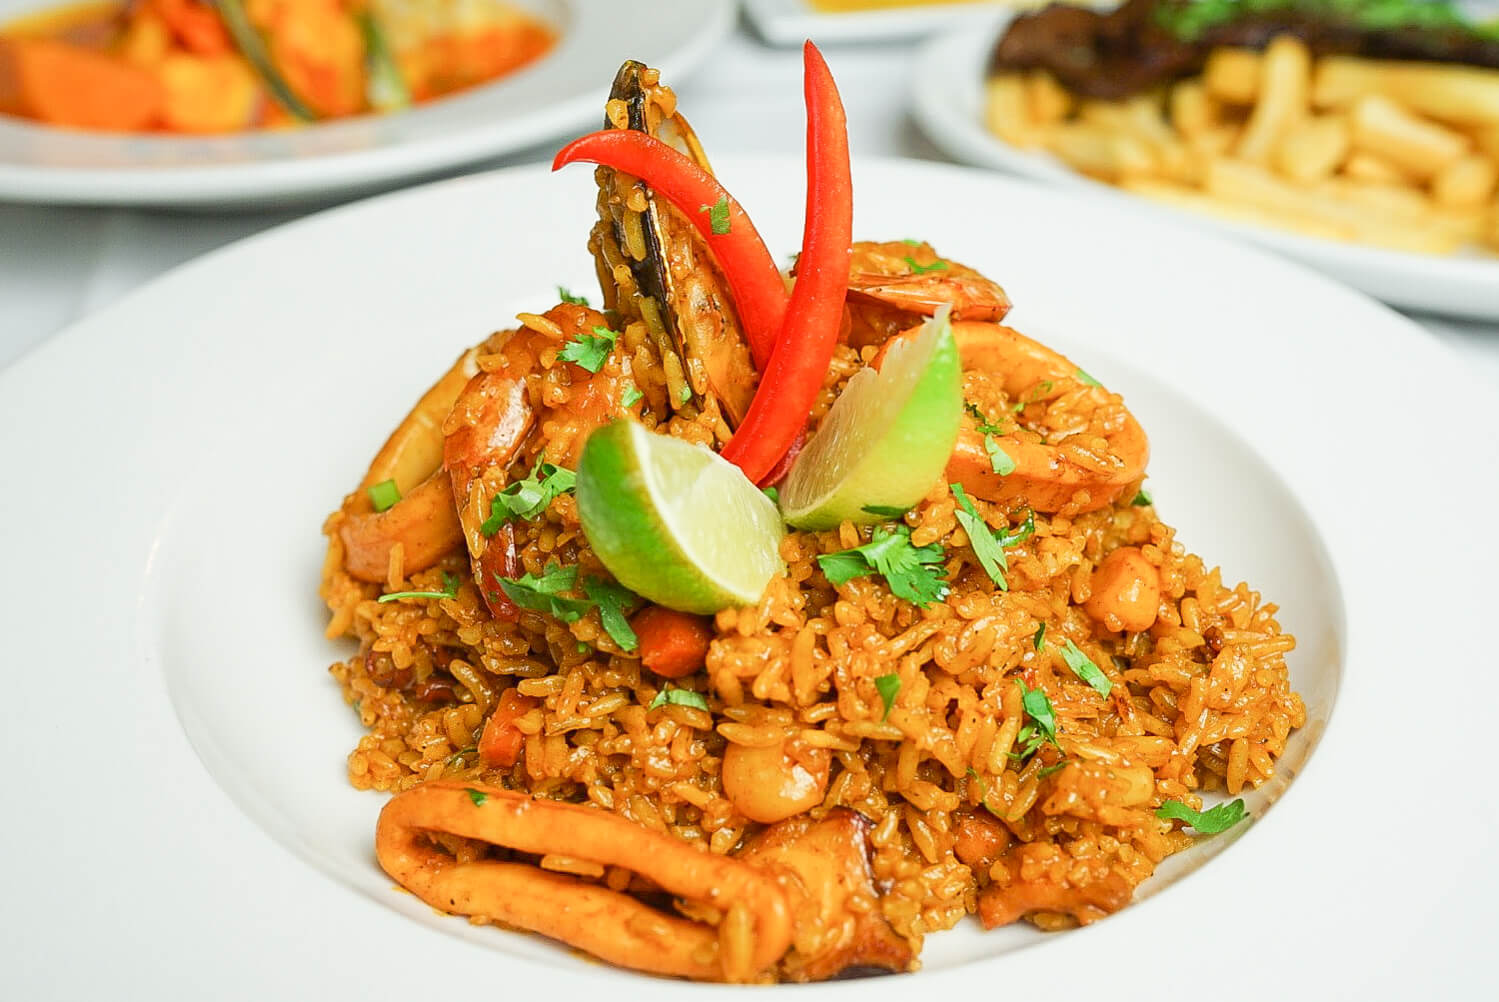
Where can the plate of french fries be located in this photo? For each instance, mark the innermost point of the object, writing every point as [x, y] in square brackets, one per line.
[1382, 173]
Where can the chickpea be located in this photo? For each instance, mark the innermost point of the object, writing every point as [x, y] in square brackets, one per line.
[767, 784]
[980, 840]
[1126, 591]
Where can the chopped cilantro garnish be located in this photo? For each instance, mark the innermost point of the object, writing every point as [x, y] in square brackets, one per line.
[718, 215]
[679, 697]
[1039, 640]
[612, 599]
[1086, 379]
[529, 497]
[911, 243]
[590, 350]
[999, 460]
[568, 297]
[888, 686]
[632, 393]
[1037, 392]
[449, 585]
[1047, 770]
[922, 269]
[477, 796]
[1040, 710]
[1142, 499]
[982, 423]
[543, 592]
[991, 555]
[1084, 668]
[1208, 822]
[685, 395]
[913, 573]
[1026, 531]
[384, 494]
[885, 510]
[772, 493]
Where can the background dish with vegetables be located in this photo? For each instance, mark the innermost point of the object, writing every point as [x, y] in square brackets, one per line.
[978, 674]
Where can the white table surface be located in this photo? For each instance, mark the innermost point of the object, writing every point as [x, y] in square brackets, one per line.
[60, 264]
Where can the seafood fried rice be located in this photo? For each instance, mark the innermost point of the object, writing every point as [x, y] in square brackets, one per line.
[808, 784]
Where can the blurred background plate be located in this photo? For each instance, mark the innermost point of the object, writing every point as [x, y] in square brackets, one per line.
[947, 99]
[556, 95]
[790, 22]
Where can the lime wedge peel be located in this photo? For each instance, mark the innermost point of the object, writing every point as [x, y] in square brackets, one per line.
[887, 437]
[674, 522]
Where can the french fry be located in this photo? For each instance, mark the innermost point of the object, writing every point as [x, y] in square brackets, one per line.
[1362, 166]
[1423, 148]
[1285, 79]
[1232, 75]
[1193, 199]
[1006, 112]
[1465, 183]
[1101, 152]
[1313, 148]
[1486, 138]
[1048, 101]
[1193, 110]
[1459, 95]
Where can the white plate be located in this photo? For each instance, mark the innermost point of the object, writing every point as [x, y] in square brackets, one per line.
[177, 819]
[789, 22]
[556, 95]
[947, 96]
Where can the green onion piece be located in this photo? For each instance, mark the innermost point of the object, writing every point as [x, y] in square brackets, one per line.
[685, 395]
[1084, 668]
[384, 87]
[384, 494]
[1086, 379]
[1208, 822]
[888, 686]
[999, 460]
[772, 493]
[922, 269]
[678, 697]
[250, 45]
[450, 590]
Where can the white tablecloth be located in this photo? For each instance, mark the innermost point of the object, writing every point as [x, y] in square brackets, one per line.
[60, 264]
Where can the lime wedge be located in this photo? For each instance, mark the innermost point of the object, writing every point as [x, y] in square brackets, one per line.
[886, 439]
[674, 522]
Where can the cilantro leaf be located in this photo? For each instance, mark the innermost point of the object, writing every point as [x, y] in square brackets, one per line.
[477, 796]
[889, 687]
[999, 460]
[1026, 531]
[981, 422]
[632, 393]
[1040, 710]
[590, 350]
[922, 269]
[568, 297]
[611, 599]
[1208, 822]
[449, 585]
[685, 395]
[885, 510]
[543, 592]
[909, 242]
[384, 494]
[1142, 499]
[991, 555]
[1083, 667]
[679, 697]
[908, 570]
[1039, 640]
[718, 215]
[529, 497]
[772, 493]
[1047, 770]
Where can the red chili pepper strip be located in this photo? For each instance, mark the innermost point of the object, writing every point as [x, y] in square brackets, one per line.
[759, 293]
[789, 387]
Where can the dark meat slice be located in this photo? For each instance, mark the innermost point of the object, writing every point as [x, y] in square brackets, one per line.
[825, 869]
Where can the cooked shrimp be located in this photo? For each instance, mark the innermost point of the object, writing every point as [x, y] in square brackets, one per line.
[753, 934]
[892, 286]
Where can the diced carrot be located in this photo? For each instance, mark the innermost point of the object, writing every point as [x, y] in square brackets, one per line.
[208, 93]
[65, 85]
[196, 25]
[501, 742]
[146, 41]
[672, 644]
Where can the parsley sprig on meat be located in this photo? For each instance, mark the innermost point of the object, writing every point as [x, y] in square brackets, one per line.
[914, 573]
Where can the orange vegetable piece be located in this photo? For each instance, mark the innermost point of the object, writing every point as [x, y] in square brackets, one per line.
[208, 93]
[196, 25]
[501, 742]
[672, 644]
[1126, 591]
[62, 84]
